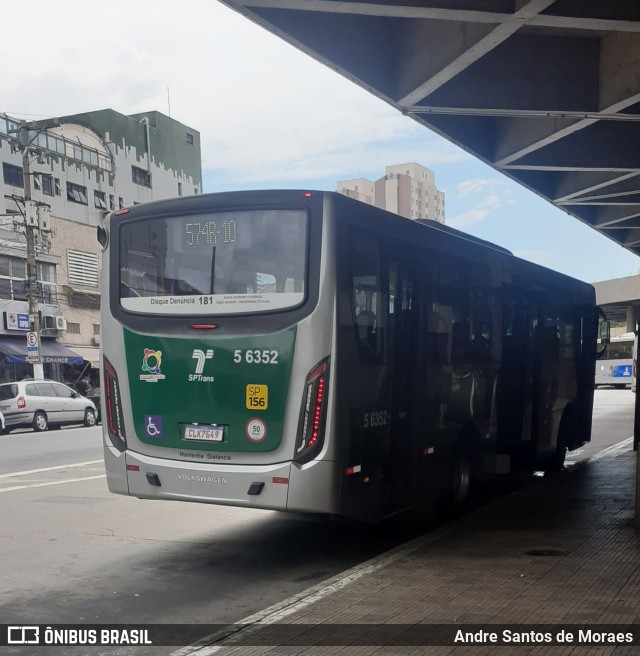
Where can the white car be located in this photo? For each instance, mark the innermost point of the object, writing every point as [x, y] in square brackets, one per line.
[43, 403]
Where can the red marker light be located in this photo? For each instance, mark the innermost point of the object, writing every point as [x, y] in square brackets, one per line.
[122, 211]
[204, 326]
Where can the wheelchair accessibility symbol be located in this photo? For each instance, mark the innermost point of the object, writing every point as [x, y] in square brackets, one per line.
[153, 426]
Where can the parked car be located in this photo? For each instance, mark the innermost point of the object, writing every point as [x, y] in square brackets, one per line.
[44, 403]
[94, 395]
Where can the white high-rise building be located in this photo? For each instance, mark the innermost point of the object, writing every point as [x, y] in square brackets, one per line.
[406, 189]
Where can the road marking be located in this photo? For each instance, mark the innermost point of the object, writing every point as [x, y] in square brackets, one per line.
[610, 449]
[48, 469]
[66, 480]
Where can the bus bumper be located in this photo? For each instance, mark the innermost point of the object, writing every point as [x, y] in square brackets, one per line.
[235, 485]
[310, 488]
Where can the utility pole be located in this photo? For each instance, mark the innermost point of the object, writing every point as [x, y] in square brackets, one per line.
[32, 268]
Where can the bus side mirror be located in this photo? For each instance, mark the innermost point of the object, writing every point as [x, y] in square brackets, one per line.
[604, 332]
[102, 236]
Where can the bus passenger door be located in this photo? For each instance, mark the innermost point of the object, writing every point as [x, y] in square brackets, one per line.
[363, 381]
[515, 404]
[401, 466]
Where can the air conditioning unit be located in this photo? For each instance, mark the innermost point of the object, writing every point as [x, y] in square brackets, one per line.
[54, 322]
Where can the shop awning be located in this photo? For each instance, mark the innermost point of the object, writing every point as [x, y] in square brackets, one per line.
[89, 353]
[14, 350]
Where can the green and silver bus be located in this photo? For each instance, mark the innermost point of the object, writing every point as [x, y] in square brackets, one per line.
[303, 351]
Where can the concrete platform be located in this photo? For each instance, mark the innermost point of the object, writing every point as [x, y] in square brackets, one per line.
[561, 555]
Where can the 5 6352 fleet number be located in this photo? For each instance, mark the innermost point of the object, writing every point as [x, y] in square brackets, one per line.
[255, 356]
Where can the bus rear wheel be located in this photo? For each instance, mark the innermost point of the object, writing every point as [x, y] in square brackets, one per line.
[460, 478]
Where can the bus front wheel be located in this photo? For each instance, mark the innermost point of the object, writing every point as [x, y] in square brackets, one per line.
[555, 463]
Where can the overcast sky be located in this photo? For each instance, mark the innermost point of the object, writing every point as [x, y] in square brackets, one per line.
[268, 115]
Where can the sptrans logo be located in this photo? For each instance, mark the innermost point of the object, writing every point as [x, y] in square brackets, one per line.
[151, 362]
[201, 357]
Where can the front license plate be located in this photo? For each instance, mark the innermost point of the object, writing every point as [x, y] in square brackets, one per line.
[204, 432]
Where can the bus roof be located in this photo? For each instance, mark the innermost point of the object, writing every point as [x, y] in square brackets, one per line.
[458, 233]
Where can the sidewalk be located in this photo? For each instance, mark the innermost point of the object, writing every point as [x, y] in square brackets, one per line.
[563, 552]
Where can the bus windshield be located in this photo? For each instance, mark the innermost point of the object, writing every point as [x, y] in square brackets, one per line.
[232, 262]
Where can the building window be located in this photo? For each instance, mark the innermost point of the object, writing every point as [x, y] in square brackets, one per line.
[12, 175]
[47, 185]
[190, 139]
[58, 187]
[141, 177]
[76, 193]
[82, 268]
[73, 328]
[13, 278]
[112, 202]
[47, 288]
[120, 202]
[100, 199]
[96, 328]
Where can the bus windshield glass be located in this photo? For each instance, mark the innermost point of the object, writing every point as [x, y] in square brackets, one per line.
[234, 262]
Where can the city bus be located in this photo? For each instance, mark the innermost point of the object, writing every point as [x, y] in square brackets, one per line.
[615, 362]
[303, 351]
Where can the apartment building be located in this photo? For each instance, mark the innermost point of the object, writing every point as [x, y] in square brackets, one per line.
[84, 167]
[405, 189]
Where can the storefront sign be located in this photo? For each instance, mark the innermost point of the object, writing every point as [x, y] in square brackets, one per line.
[16, 321]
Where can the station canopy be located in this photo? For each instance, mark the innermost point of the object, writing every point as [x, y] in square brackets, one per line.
[545, 91]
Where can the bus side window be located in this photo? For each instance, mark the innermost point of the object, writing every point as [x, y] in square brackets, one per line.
[365, 297]
[550, 340]
[459, 341]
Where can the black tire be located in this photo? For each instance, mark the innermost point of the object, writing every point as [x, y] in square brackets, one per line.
[460, 478]
[555, 463]
[40, 422]
[90, 417]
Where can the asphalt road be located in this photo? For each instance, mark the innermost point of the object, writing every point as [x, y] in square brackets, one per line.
[71, 552]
